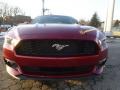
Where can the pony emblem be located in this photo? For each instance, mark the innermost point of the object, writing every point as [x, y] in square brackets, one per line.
[59, 47]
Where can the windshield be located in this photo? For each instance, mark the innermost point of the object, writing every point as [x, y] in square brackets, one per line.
[54, 19]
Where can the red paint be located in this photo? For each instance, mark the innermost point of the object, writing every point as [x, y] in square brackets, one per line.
[53, 31]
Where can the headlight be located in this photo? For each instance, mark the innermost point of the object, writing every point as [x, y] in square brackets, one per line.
[102, 44]
[10, 41]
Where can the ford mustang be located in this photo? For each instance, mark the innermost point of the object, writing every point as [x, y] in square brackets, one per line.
[54, 47]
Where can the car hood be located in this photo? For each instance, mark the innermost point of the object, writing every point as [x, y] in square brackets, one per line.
[55, 31]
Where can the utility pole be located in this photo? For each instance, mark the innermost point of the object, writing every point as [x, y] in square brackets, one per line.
[109, 18]
[43, 7]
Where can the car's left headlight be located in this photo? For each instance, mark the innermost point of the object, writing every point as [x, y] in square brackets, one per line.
[103, 44]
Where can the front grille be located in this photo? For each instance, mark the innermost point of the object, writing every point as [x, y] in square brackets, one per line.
[56, 48]
[57, 71]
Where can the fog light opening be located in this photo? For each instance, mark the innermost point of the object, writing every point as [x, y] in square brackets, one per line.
[11, 63]
[102, 62]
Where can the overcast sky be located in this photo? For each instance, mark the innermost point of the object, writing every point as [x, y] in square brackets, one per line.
[80, 9]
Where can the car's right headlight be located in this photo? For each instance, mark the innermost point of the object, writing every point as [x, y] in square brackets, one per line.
[10, 42]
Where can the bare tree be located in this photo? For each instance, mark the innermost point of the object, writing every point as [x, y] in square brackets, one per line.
[1, 9]
[0, 12]
[6, 10]
[16, 11]
[10, 11]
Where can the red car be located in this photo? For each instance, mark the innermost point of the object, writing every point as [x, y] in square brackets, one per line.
[54, 47]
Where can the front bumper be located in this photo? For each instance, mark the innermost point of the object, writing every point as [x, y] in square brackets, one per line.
[14, 73]
[49, 62]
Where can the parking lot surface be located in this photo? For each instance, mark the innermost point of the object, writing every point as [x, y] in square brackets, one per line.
[109, 80]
